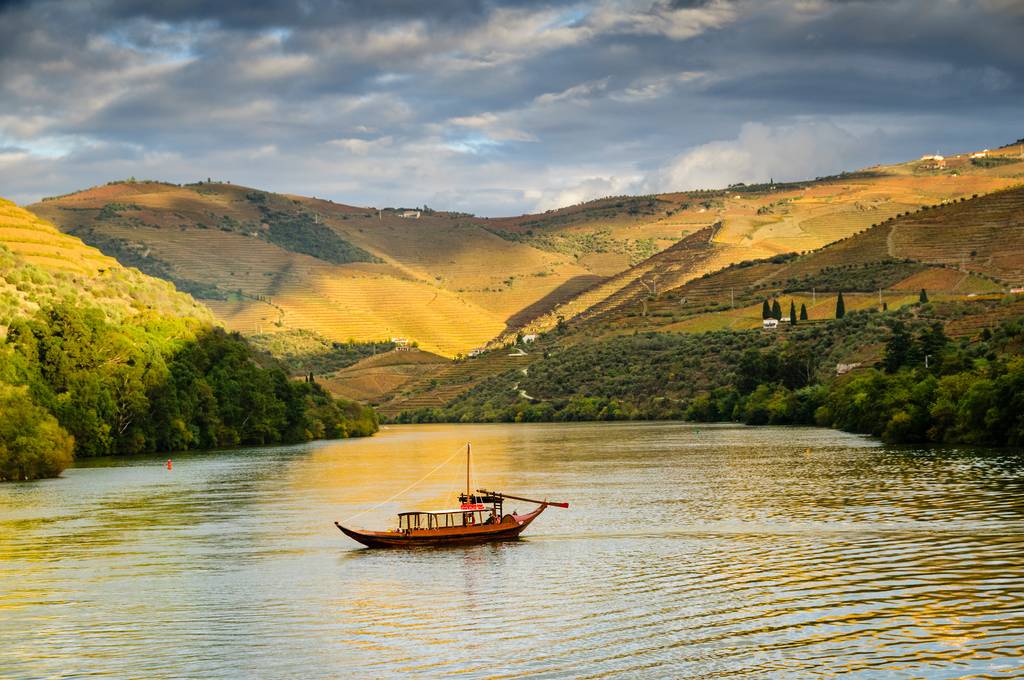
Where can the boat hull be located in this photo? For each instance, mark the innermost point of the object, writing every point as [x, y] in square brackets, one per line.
[508, 530]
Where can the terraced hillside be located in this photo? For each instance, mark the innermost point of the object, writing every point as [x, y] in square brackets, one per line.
[385, 276]
[266, 262]
[871, 269]
[964, 248]
[436, 388]
[44, 266]
[377, 378]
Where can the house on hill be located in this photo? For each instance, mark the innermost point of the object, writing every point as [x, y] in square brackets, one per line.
[401, 344]
[530, 337]
[410, 214]
[770, 324]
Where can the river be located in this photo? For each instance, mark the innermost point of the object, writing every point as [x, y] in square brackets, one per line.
[688, 551]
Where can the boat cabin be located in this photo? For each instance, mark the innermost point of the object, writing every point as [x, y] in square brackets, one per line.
[473, 510]
[444, 519]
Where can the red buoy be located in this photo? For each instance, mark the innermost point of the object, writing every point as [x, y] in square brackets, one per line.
[169, 464]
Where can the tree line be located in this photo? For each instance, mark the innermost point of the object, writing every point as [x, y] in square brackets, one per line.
[74, 382]
[925, 387]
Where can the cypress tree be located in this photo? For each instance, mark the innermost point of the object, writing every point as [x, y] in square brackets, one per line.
[766, 311]
[792, 313]
[840, 306]
[803, 312]
[924, 296]
[776, 310]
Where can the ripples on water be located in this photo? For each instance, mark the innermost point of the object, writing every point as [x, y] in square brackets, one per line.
[688, 552]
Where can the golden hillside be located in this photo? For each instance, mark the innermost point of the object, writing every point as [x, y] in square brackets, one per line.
[39, 265]
[969, 248]
[438, 279]
[265, 262]
[749, 222]
[964, 251]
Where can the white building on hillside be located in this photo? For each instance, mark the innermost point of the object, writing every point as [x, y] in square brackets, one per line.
[410, 214]
[769, 324]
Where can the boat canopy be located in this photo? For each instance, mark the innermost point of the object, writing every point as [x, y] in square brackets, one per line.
[457, 511]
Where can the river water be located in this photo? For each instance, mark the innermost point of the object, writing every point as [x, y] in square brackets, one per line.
[688, 551]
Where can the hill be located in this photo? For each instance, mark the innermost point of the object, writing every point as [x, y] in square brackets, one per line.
[97, 359]
[911, 383]
[961, 252]
[266, 262]
[43, 267]
[967, 247]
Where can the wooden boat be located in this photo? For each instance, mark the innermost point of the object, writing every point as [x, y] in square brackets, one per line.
[478, 519]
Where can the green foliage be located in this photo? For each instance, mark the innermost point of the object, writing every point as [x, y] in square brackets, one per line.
[137, 255]
[776, 310]
[923, 297]
[302, 351]
[792, 313]
[581, 244]
[869, 276]
[301, 232]
[659, 375]
[155, 386]
[993, 161]
[766, 310]
[972, 392]
[32, 444]
[840, 306]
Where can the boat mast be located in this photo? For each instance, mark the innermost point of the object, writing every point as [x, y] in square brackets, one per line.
[467, 473]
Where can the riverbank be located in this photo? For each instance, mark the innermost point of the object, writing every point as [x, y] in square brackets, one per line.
[923, 386]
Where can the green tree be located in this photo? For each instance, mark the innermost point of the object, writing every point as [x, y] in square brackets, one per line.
[933, 342]
[792, 313]
[803, 312]
[776, 310]
[32, 444]
[840, 306]
[897, 349]
[766, 310]
[923, 297]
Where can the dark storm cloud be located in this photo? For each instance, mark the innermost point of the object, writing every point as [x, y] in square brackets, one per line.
[491, 106]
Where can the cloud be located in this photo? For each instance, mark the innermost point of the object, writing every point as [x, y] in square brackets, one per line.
[585, 189]
[761, 153]
[494, 106]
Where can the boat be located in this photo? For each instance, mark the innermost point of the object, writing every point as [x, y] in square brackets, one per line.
[480, 518]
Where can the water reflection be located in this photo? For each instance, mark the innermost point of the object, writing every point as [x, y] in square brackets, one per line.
[713, 551]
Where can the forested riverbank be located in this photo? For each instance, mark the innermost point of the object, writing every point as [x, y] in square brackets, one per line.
[73, 382]
[925, 387]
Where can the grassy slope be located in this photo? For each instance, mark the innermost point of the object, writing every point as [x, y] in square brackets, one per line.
[43, 266]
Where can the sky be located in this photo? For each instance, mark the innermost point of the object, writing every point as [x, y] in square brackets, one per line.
[495, 108]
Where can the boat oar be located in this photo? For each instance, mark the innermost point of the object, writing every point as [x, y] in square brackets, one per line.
[520, 498]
